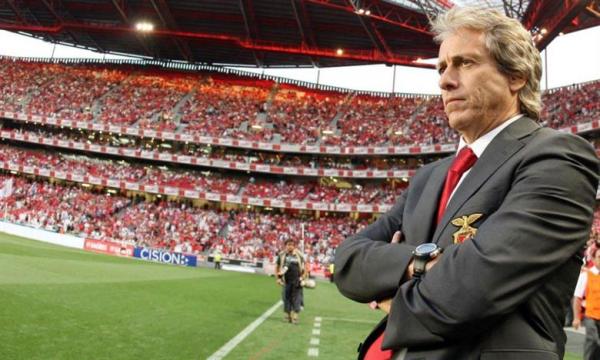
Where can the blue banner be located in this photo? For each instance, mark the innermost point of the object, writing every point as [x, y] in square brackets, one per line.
[165, 257]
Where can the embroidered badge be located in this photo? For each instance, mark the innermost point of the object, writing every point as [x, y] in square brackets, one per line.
[466, 231]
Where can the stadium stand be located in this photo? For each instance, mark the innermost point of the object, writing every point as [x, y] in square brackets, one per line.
[174, 226]
[79, 166]
[233, 107]
[223, 106]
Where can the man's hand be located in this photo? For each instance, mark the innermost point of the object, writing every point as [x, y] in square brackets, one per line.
[411, 268]
[576, 323]
[279, 281]
[385, 305]
[397, 237]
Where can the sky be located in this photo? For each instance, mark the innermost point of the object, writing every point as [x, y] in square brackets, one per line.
[572, 58]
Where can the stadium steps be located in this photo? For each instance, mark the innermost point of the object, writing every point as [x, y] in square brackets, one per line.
[261, 116]
[269, 101]
[342, 108]
[96, 105]
[224, 231]
[418, 110]
[121, 211]
[35, 92]
[271, 96]
[176, 110]
[341, 111]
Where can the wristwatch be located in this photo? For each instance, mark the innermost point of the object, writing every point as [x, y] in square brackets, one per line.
[422, 255]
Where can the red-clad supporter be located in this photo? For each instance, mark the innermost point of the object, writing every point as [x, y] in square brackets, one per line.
[71, 94]
[430, 125]
[253, 235]
[594, 241]
[221, 153]
[166, 225]
[219, 108]
[78, 166]
[56, 208]
[571, 105]
[376, 121]
[247, 108]
[18, 80]
[118, 170]
[299, 116]
[146, 100]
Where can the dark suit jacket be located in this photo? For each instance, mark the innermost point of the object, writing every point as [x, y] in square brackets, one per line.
[503, 293]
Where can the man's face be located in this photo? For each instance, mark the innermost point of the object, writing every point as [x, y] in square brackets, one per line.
[477, 96]
[289, 247]
[597, 259]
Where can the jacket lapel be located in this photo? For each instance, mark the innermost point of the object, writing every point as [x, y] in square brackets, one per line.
[504, 145]
[426, 209]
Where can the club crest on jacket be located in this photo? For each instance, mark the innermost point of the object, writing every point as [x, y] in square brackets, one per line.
[466, 231]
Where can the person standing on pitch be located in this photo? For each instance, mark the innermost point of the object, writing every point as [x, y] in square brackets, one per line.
[588, 286]
[290, 272]
[217, 257]
[479, 257]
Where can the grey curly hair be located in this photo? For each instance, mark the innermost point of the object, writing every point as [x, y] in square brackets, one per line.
[508, 43]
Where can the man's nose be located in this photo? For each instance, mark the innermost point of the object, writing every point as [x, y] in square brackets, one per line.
[448, 79]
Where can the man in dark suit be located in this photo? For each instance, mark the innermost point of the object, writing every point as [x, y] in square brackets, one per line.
[511, 211]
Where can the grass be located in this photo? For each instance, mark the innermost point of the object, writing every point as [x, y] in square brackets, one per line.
[60, 303]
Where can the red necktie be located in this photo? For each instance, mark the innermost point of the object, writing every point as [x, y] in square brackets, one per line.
[462, 162]
[375, 352]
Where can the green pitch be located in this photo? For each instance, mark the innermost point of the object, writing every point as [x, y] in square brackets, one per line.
[59, 303]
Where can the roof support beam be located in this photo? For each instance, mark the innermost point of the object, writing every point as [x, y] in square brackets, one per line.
[22, 18]
[16, 11]
[370, 56]
[60, 19]
[374, 34]
[514, 10]
[392, 15]
[308, 38]
[431, 8]
[165, 16]
[532, 14]
[558, 21]
[119, 6]
[247, 11]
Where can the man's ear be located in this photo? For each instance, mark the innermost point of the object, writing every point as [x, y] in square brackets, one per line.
[516, 82]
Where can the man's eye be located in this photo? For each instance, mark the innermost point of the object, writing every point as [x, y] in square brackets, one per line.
[441, 70]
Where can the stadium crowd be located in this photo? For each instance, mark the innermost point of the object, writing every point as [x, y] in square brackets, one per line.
[168, 225]
[221, 153]
[335, 191]
[216, 105]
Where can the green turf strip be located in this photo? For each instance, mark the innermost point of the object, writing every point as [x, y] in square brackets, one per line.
[60, 303]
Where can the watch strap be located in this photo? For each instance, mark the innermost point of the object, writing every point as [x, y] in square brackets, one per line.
[419, 267]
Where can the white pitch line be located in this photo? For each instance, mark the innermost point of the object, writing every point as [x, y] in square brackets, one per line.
[226, 349]
[313, 352]
[318, 319]
[316, 332]
[349, 320]
[314, 341]
[317, 325]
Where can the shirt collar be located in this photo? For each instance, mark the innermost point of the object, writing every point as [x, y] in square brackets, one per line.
[478, 146]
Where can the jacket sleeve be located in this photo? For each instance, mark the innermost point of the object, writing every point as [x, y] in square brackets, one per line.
[367, 266]
[542, 222]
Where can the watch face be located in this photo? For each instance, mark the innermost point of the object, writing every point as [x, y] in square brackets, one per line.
[425, 249]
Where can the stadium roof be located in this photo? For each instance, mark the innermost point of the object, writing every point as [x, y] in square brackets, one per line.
[273, 33]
